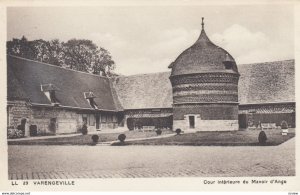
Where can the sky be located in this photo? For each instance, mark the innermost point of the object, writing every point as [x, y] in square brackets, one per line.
[146, 39]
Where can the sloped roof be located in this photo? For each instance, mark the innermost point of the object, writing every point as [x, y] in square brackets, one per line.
[25, 77]
[14, 88]
[267, 82]
[144, 91]
[259, 83]
[203, 56]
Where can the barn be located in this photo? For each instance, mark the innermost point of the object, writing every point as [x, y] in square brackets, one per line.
[204, 91]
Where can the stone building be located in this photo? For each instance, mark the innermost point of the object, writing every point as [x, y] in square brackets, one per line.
[205, 91]
[205, 87]
[55, 100]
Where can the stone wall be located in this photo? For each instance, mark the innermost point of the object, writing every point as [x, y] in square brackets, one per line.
[16, 111]
[206, 125]
[67, 121]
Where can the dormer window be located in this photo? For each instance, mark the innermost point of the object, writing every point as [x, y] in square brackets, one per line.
[49, 90]
[228, 62]
[89, 96]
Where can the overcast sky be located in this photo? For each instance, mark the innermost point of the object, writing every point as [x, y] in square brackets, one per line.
[147, 39]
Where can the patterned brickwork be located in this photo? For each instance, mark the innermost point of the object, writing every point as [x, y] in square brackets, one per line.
[214, 96]
[205, 78]
[205, 86]
[206, 98]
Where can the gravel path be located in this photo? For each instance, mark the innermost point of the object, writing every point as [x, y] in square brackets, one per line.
[58, 162]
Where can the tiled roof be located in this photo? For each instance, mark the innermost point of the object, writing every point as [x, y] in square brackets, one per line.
[259, 83]
[267, 82]
[203, 56]
[25, 78]
[144, 91]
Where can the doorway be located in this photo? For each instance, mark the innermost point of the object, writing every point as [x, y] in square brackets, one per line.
[97, 116]
[192, 122]
[52, 125]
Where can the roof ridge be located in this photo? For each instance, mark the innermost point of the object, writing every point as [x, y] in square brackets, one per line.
[43, 63]
[116, 99]
[141, 74]
[266, 62]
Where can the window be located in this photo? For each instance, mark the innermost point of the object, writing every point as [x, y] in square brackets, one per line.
[49, 90]
[52, 96]
[84, 119]
[91, 120]
[92, 103]
[109, 118]
[228, 62]
[90, 98]
[114, 118]
[103, 118]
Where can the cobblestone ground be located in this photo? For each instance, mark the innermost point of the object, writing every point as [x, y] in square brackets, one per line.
[66, 162]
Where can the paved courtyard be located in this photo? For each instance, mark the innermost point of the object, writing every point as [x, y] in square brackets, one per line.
[65, 162]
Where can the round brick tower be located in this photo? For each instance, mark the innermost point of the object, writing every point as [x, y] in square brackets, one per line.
[204, 79]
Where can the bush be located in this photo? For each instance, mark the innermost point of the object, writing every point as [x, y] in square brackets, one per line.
[14, 133]
[158, 132]
[262, 138]
[84, 129]
[178, 131]
[284, 125]
[95, 138]
[122, 137]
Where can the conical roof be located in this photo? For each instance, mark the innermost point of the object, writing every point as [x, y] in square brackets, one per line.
[203, 57]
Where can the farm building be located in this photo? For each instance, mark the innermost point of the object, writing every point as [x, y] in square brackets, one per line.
[205, 90]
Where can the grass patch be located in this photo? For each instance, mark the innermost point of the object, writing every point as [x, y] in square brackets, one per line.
[227, 138]
[86, 139]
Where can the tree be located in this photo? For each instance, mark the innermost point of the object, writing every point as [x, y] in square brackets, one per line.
[77, 54]
[21, 47]
[102, 63]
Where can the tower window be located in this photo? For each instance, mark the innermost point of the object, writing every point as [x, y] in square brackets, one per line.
[228, 62]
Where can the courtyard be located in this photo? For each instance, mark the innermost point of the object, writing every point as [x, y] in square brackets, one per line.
[138, 161]
[168, 137]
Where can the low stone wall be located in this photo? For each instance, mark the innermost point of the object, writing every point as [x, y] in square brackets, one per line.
[207, 125]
